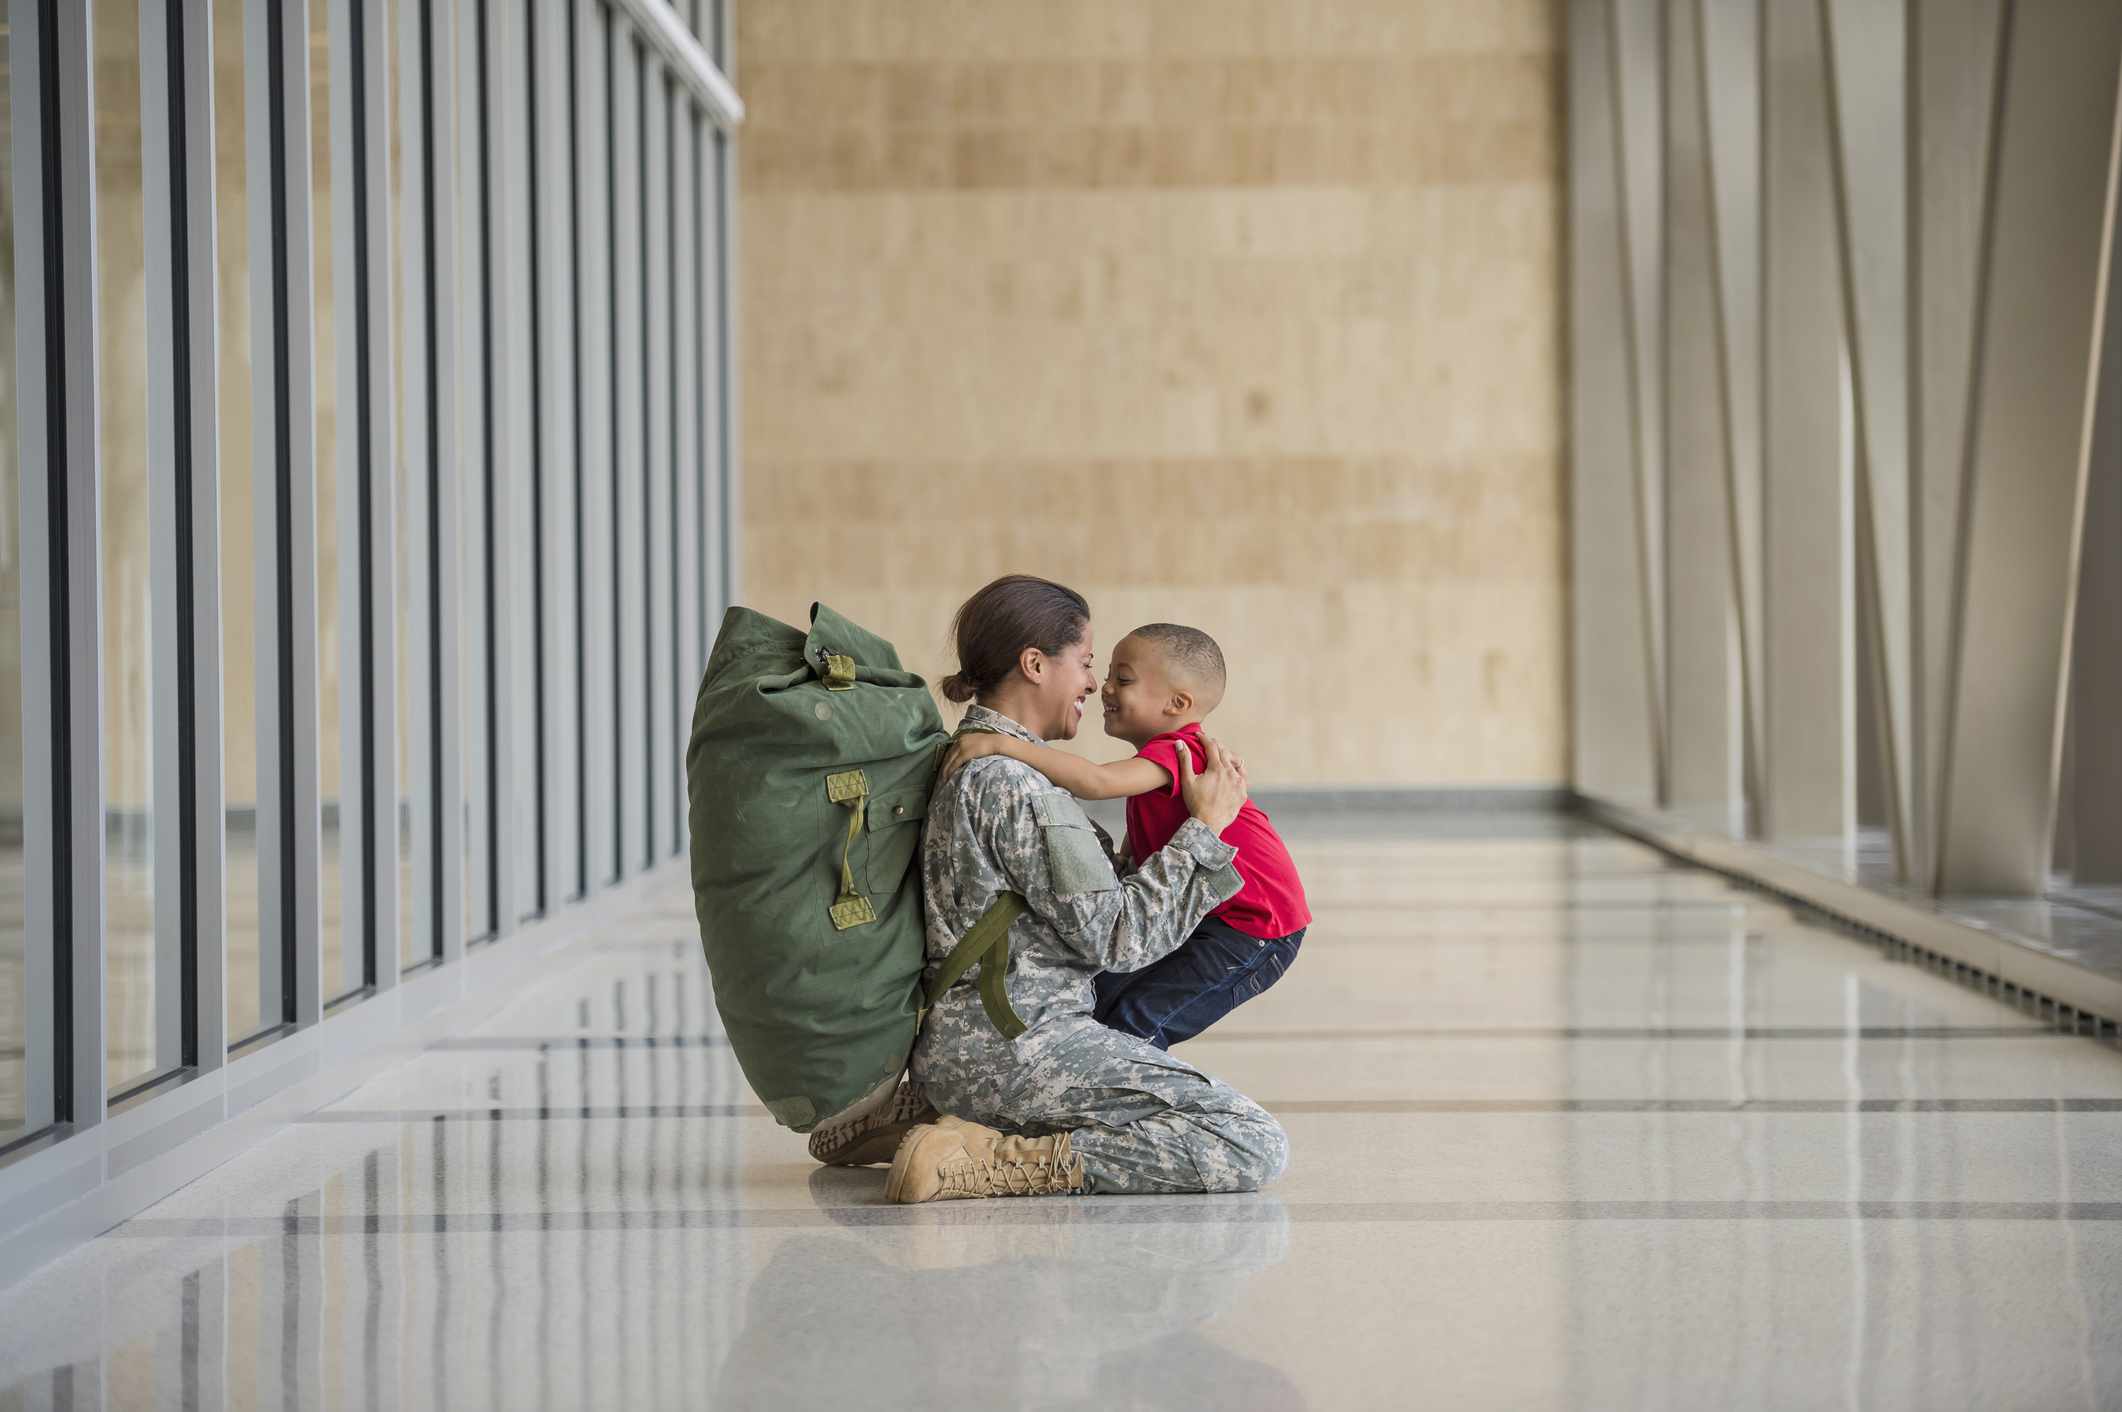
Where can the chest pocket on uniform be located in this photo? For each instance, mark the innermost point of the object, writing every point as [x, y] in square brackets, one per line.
[1074, 857]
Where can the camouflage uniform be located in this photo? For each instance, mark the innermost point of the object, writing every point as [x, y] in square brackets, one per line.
[1142, 1120]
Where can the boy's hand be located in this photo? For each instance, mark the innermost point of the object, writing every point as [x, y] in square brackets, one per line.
[1218, 792]
[965, 749]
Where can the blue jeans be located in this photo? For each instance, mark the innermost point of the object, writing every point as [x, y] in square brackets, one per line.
[1213, 972]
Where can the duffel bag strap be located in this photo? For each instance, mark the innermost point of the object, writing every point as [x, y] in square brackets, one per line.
[985, 945]
[836, 671]
[850, 788]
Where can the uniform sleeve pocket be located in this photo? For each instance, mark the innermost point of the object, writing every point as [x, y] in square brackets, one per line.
[1075, 860]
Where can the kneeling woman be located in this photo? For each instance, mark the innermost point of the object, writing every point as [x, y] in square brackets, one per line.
[1068, 1106]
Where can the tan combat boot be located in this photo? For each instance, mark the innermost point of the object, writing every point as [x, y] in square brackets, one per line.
[954, 1160]
[873, 1135]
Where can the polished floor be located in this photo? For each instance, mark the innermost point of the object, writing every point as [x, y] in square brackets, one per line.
[1570, 1128]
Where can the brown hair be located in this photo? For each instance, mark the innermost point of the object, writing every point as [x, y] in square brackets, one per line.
[995, 625]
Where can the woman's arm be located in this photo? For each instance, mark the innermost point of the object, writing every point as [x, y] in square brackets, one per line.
[1047, 850]
[1122, 779]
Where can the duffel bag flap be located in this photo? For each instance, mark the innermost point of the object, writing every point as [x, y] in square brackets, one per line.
[808, 773]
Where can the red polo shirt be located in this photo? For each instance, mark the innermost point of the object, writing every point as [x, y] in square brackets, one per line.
[1271, 904]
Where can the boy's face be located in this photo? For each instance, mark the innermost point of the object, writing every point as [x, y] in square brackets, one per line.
[1138, 693]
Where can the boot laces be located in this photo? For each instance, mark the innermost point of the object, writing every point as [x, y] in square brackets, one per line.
[1011, 1176]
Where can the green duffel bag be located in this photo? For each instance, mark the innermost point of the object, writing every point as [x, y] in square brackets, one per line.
[807, 778]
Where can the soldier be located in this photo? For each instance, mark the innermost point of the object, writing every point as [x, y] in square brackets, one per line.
[1068, 1106]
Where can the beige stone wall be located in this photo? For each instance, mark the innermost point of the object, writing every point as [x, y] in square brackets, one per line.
[1239, 313]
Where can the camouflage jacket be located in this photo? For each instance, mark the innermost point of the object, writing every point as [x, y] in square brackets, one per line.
[999, 825]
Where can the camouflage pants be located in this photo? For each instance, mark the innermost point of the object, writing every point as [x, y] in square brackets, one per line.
[1142, 1120]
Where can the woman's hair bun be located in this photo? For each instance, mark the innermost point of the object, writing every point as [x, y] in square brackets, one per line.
[995, 625]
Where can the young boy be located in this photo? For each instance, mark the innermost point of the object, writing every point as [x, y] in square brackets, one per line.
[1163, 681]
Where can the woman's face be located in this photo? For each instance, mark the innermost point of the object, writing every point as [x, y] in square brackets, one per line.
[1066, 680]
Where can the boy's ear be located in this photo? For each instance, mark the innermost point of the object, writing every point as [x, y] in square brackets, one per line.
[1179, 703]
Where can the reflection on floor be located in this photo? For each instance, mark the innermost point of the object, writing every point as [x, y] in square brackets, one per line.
[1570, 1128]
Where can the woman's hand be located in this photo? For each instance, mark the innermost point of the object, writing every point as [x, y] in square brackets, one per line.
[1218, 792]
[965, 749]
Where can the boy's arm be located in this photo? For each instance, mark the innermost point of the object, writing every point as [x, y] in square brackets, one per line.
[1123, 779]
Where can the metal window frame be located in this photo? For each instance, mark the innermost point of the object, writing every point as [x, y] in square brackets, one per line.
[377, 551]
[663, 31]
[687, 472]
[188, 662]
[350, 85]
[472, 374]
[731, 391]
[424, 428]
[597, 46]
[54, 178]
[551, 37]
[164, 168]
[412, 942]
[512, 620]
[659, 590]
[284, 524]
[62, 1184]
[630, 417]
[707, 415]
[197, 589]
[730, 473]
[445, 478]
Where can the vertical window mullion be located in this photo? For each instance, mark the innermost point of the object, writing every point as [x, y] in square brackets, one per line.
[287, 548]
[559, 396]
[473, 607]
[416, 793]
[685, 449]
[707, 417]
[538, 741]
[166, 238]
[377, 785]
[45, 1007]
[728, 481]
[444, 468]
[263, 80]
[595, 66]
[188, 36]
[351, 919]
[517, 767]
[56, 308]
[629, 415]
[657, 598]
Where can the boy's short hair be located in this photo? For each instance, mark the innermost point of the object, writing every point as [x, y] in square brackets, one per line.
[1193, 652]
